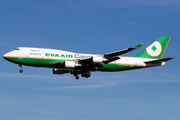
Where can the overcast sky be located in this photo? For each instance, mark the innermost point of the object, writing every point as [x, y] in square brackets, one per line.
[91, 26]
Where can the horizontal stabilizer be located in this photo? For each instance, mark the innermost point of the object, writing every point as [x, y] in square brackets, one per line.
[159, 61]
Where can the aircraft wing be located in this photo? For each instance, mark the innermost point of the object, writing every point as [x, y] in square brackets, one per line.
[117, 53]
[89, 60]
[109, 57]
[94, 63]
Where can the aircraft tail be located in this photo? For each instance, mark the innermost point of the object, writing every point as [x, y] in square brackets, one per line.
[155, 50]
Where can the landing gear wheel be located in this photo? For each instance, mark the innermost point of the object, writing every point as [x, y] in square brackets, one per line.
[83, 75]
[77, 77]
[21, 70]
[88, 75]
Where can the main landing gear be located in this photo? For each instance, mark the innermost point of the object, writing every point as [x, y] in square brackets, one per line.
[21, 70]
[77, 77]
[86, 74]
[75, 73]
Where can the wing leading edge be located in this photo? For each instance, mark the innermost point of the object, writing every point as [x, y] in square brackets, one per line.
[117, 53]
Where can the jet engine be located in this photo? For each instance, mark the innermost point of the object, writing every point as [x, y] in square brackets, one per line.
[104, 59]
[97, 59]
[67, 64]
[58, 71]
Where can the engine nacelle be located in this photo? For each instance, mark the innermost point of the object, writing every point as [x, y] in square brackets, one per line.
[58, 71]
[69, 64]
[97, 59]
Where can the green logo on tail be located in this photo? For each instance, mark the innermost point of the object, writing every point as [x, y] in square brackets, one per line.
[154, 49]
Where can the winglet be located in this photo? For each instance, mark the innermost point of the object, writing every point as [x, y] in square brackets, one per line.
[139, 45]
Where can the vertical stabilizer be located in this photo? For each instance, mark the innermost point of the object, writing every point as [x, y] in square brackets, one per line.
[155, 50]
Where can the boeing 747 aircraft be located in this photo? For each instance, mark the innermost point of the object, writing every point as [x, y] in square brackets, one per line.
[83, 64]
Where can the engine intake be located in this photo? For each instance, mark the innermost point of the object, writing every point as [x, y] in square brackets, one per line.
[97, 59]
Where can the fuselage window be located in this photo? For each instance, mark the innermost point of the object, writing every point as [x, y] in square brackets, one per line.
[34, 50]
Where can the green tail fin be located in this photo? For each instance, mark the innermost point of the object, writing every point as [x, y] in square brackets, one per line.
[156, 49]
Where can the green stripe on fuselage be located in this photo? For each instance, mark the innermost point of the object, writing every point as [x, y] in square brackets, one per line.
[36, 62]
[43, 62]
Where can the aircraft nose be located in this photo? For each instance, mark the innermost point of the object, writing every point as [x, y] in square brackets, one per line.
[5, 56]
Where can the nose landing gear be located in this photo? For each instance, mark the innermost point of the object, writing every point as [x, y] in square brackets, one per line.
[21, 70]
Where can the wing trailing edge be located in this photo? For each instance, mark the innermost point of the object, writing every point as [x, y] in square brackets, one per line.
[117, 53]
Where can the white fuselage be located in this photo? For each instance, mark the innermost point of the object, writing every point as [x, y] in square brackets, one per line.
[42, 53]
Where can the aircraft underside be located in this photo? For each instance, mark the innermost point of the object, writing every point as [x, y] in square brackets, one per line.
[84, 70]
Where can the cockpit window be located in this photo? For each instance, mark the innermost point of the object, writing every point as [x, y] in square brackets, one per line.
[17, 49]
